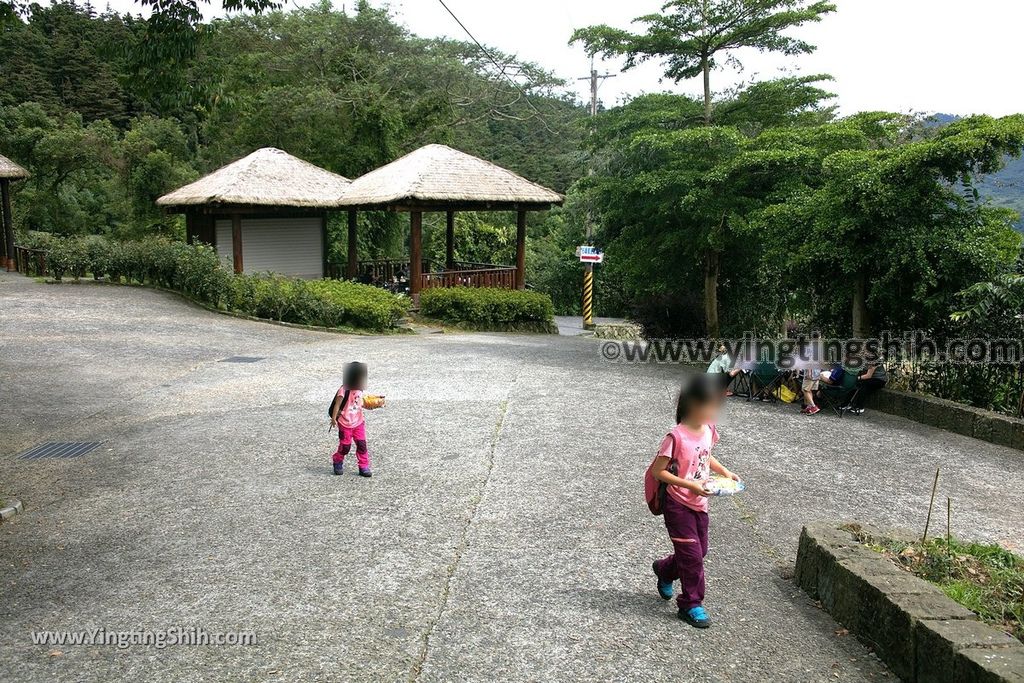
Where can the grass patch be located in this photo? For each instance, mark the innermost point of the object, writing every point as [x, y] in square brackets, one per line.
[985, 578]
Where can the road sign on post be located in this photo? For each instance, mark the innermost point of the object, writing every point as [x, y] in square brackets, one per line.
[588, 256]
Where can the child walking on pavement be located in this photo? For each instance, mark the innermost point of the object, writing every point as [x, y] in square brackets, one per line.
[685, 464]
[347, 414]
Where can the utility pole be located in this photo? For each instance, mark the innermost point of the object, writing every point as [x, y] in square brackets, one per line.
[588, 266]
[595, 80]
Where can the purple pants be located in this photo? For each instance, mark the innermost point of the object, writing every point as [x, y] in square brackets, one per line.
[688, 531]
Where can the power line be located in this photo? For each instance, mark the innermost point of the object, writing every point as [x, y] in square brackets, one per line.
[500, 68]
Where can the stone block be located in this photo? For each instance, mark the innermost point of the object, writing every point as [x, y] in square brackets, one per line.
[959, 650]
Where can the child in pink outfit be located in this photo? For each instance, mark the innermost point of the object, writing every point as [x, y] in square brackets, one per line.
[685, 464]
[347, 414]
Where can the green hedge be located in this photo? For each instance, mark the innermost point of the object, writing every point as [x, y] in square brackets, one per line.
[197, 272]
[490, 309]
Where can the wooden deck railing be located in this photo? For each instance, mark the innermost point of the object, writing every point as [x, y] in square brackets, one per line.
[31, 261]
[375, 270]
[502, 277]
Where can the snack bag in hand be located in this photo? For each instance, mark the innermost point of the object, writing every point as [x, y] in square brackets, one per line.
[370, 401]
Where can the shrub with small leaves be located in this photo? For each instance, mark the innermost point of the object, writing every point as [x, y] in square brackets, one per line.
[489, 308]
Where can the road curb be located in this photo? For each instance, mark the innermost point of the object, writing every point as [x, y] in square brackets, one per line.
[922, 635]
[14, 507]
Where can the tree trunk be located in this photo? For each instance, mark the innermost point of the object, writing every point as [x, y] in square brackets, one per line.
[711, 262]
[861, 317]
[705, 64]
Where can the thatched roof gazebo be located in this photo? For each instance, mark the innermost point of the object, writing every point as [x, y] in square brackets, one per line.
[272, 208]
[8, 171]
[439, 178]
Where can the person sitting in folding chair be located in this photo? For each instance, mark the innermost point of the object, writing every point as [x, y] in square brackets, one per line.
[722, 365]
[871, 380]
[838, 388]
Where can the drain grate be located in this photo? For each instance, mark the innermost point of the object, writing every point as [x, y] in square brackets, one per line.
[56, 450]
[242, 359]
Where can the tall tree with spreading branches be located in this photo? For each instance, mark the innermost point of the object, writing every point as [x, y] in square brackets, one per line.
[691, 37]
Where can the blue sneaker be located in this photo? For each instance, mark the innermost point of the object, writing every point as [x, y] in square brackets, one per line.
[695, 617]
[339, 467]
[664, 589]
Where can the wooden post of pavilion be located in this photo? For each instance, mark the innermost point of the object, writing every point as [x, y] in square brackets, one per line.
[415, 253]
[5, 191]
[352, 268]
[521, 250]
[8, 171]
[236, 242]
[449, 241]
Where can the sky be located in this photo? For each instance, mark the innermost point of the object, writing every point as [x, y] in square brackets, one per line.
[921, 56]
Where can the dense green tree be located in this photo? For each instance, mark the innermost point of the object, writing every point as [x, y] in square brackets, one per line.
[70, 189]
[890, 224]
[669, 190]
[690, 37]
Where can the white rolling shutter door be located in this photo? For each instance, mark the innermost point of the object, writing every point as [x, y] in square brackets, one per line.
[289, 246]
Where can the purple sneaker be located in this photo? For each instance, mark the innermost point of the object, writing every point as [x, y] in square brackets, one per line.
[365, 472]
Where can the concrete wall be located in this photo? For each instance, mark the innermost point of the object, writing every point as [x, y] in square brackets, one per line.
[955, 417]
[922, 635]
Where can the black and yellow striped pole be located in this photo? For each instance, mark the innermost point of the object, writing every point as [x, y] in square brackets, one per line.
[588, 296]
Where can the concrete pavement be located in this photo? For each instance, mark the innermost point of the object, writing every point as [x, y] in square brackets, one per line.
[503, 536]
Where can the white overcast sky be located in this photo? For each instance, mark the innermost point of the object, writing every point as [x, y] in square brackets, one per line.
[898, 55]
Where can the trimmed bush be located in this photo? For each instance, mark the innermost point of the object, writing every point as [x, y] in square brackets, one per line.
[366, 306]
[489, 309]
[68, 256]
[197, 272]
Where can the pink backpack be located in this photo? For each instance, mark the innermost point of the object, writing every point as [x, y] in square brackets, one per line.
[655, 490]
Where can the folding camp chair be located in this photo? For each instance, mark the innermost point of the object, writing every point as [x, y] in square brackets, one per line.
[742, 386]
[764, 380]
[839, 396]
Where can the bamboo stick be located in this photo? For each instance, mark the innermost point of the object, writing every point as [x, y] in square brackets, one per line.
[931, 504]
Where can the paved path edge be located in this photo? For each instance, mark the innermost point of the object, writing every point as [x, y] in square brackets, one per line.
[14, 507]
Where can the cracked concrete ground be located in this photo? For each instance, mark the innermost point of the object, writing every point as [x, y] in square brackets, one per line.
[503, 536]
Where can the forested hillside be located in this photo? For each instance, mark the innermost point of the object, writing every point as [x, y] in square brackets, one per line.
[107, 117]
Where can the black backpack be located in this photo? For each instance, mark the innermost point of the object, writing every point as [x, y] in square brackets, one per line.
[334, 401]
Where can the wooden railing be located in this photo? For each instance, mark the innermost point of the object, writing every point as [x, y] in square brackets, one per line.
[384, 272]
[31, 261]
[502, 277]
[381, 271]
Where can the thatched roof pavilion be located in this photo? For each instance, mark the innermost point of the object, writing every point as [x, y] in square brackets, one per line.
[439, 178]
[8, 171]
[266, 178]
[273, 204]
